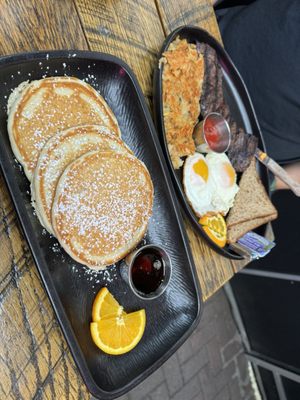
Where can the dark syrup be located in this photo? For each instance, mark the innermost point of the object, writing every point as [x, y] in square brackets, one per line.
[148, 271]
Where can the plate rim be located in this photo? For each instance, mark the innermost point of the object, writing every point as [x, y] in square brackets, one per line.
[36, 252]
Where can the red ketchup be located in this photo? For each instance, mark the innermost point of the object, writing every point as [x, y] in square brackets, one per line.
[216, 132]
[211, 132]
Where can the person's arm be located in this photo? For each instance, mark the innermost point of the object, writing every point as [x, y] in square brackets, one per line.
[294, 171]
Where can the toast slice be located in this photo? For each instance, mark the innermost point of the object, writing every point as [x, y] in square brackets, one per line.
[252, 206]
[235, 232]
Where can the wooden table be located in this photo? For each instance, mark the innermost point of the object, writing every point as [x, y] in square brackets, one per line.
[34, 358]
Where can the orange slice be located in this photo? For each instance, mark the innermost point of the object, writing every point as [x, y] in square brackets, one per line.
[119, 334]
[105, 306]
[215, 227]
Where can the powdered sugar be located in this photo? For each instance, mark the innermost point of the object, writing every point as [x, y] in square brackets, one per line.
[96, 278]
[105, 200]
[49, 109]
[64, 148]
[111, 223]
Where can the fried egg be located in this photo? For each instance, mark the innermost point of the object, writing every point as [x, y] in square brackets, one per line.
[223, 178]
[196, 184]
[209, 183]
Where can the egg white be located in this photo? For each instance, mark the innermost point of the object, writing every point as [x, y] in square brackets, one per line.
[215, 194]
[197, 190]
[223, 179]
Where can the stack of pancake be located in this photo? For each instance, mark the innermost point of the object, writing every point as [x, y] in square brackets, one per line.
[88, 189]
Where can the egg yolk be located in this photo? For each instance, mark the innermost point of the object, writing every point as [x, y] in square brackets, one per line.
[230, 173]
[201, 169]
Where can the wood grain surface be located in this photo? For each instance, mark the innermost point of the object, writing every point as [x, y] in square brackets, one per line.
[128, 29]
[198, 13]
[28, 25]
[35, 361]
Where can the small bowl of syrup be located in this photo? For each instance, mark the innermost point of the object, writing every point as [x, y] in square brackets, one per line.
[147, 271]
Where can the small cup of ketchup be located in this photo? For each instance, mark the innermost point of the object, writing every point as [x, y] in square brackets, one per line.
[216, 132]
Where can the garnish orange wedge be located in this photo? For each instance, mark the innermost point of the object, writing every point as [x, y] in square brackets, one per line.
[105, 306]
[113, 330]
[215, 227]
[120, 334]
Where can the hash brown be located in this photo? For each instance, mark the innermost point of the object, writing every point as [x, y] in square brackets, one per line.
[183, 72]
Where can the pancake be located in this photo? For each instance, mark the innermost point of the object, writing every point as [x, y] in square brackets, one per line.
[58, 153]
[102, 206]
[37, 110]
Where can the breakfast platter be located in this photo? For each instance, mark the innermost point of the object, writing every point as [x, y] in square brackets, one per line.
[225, 194]
[83, 164]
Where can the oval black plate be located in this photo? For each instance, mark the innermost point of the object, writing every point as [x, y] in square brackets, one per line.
[238, 100]
[71, 288]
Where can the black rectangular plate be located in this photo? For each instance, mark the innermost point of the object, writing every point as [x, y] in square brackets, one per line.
[241, 108]
[71, 287]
